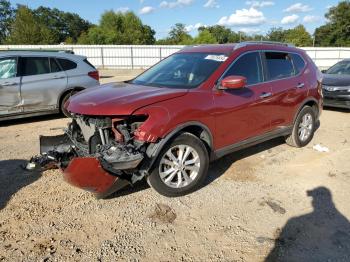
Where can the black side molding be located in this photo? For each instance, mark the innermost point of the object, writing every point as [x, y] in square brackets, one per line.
[283, 131]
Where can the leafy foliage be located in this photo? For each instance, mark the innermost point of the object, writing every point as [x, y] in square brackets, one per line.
[119, 28]
[63, 25]
[26, 29]
[337, 31]
[44, 25]
[7, 14]
[297, 36]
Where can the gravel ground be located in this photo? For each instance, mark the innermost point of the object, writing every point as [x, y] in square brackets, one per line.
[270, 201]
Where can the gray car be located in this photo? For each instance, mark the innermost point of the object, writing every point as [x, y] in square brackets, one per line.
[37, 83]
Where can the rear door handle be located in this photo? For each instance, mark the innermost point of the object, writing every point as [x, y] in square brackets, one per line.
[58, 77]
[265, 95]
[301, 85]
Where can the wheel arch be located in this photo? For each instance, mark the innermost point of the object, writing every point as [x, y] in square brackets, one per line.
[65, 92]
[197, 129]
[313, 103]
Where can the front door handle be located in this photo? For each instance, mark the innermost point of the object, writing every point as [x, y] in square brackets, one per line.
[301, 85]
[265, 95]
[9, 84]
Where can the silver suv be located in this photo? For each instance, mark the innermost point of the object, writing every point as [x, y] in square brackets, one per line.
[40, 82]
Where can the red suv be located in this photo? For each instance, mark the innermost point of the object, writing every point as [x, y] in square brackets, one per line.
[193, 107]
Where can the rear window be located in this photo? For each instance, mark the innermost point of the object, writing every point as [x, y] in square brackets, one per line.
[87, 62]
[35, 66]
[299, 63]
[279, 65]
[54, 66]
[67, 64]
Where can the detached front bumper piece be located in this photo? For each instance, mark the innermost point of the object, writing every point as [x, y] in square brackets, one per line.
[88, 174]
[91, 173]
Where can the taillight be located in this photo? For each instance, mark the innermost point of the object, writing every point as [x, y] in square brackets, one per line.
[95, 75]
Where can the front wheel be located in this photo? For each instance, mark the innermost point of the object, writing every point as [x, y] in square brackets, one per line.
[181, 167]
[303, 129]
[63, 102]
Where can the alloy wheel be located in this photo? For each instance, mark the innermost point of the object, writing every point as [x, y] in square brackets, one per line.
[179, 166]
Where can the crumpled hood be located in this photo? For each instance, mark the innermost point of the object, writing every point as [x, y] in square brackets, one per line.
[119, 99]
[336, 80]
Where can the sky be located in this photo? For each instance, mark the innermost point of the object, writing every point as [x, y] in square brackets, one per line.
[249, 16]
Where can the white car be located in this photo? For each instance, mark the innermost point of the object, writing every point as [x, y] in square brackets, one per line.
[40, 82]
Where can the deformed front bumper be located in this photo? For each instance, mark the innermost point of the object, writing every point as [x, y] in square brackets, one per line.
[86, 172]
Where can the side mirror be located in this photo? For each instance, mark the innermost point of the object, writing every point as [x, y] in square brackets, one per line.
[233, 82]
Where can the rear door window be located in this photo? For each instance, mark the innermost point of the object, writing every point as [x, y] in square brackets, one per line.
[35, 66]
[8, 67]
[299, 63]
[54, 66]
[67, 64]
[249, 66]
[279, 65]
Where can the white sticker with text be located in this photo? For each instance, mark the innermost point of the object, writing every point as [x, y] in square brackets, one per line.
[219, 58]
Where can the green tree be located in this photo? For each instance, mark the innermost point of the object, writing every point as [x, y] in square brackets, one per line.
[7, 13]
[298, 36]
[179, 35]
[25, 29]
[336, 32]
[119, 28]
[222, 34]
[64, 25]
[204, 37]
[276, 34]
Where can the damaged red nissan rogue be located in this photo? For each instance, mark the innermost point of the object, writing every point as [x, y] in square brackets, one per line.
[195, 106]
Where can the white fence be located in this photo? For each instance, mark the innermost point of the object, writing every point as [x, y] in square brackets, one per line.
[141, 56]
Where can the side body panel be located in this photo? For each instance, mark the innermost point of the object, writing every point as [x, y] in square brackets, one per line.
[40, 92]
[10, 96]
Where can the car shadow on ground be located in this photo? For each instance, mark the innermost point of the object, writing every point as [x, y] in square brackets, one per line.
[216, 169]
[322, 235]
[13, 178]
[28, 120]
[220, 166]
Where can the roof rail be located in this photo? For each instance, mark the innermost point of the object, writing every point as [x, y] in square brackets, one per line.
[246, 43]
[37, 50]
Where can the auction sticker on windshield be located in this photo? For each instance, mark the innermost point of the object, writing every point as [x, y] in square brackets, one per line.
[219, 58]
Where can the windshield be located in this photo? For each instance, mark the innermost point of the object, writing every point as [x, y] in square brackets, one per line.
[341, 68]
[183, 70]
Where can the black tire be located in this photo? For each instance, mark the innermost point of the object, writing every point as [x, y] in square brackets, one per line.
[64, 100]
[294, 138]
[186, 139]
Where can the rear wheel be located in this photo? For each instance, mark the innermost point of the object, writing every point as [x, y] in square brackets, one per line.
[64, 100]
[303, 129]
[181, 167]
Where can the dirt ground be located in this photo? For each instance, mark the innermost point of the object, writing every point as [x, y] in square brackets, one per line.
[268, 202]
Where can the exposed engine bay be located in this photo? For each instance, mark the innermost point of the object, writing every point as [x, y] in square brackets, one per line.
[108, 140]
